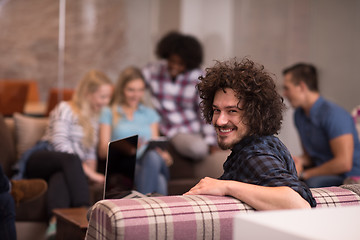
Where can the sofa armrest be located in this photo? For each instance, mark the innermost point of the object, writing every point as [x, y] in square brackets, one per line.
[352, 187]
[182, 217]
[345, 195]
[187, 217]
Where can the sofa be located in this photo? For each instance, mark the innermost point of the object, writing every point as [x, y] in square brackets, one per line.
[20, 132]
[26, 130]
[188, 216]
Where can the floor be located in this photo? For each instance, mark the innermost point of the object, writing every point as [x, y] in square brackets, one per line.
[31, 230]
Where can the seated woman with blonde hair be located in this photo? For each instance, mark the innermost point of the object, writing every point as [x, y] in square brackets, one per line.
[127, 116]
[66, 155]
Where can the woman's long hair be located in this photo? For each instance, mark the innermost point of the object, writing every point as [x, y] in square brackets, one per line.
[81, 106]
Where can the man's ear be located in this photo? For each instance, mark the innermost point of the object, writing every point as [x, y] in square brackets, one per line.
[303, 86]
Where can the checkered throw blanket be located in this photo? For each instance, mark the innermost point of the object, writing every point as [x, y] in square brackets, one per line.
[187, 217]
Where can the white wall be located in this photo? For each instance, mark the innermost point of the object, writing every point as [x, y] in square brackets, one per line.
[276, 33]
[279, 33]
[212, 22]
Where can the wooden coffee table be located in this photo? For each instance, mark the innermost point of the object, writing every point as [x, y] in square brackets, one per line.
[71, 223]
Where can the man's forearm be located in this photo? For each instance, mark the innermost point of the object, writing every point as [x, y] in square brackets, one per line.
[332, 167]
[266, 198]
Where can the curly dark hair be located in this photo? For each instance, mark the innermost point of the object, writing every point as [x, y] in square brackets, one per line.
[187, 47]
[253, 86]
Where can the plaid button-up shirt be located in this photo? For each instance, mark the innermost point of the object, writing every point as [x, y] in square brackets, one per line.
[264, 161]
[177, 101]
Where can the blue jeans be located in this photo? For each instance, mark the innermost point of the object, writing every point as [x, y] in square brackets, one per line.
[152, 174]
[324, 181]
[7, 217]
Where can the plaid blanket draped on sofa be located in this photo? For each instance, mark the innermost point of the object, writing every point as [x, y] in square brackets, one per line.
[187, 217]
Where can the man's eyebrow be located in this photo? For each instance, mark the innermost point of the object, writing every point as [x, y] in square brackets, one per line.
[227, 107]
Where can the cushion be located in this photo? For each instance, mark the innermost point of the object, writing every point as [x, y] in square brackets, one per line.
[7, 148]
[28, 130]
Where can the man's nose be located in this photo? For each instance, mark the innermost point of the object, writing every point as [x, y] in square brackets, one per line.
[222, 119]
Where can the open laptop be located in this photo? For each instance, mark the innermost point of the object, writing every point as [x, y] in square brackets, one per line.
[120, 167]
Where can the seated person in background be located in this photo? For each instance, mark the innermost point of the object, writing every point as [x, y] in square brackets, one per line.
[241, 101]
[172, 85]
[127, 116]
[327, 131]
[20, 191]
[7, 209]
[67, 153]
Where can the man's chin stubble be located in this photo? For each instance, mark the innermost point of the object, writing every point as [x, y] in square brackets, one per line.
[224, 146]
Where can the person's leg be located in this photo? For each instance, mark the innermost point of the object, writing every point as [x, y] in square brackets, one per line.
[57, 184]
[7, 217]
[43, 164]
[189, 145]
[152, 174]
[324, 181]
[162, 185]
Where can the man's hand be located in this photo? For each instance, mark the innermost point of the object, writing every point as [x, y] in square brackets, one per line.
[259, 197]
[209, 186]
[342, 148]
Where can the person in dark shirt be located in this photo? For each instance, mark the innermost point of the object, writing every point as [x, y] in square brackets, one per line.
[240, 99]
[16, 191]
[7, 209]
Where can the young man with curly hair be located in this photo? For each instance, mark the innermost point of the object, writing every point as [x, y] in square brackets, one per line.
[172, 82]
[241, 101]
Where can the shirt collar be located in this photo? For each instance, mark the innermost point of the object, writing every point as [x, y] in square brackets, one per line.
[243, 142]
[315, 109]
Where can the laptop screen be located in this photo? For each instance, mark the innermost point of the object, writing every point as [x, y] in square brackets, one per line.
[120, 167]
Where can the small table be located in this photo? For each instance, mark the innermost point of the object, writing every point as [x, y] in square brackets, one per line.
[71, 223]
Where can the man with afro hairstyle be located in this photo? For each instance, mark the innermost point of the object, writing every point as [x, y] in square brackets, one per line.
[241, 101]
[172, 82]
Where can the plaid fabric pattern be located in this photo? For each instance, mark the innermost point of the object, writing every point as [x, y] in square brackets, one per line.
[171, 217]
[264, 161]
[335, 197]
[352, 187]
[177, 101]
[185, 217]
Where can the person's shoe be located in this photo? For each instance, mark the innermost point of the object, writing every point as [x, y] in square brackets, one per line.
[27, 189]
[51, 231]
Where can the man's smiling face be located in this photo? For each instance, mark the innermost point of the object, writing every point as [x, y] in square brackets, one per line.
[227, 119]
